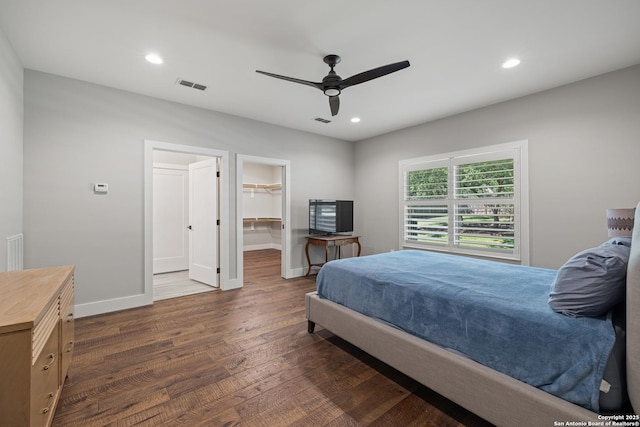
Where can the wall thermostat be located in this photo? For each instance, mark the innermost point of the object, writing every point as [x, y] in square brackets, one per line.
[100, 188]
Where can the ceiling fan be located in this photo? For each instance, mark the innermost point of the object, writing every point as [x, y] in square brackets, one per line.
[332, 84]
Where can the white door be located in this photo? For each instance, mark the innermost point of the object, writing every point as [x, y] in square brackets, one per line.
[170, 220]
[203, 216]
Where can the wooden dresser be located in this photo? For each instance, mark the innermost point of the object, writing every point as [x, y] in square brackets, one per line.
[36, 343]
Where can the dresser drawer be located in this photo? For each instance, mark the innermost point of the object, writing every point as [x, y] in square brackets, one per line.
[66, 330]
[42, 331]
[45, 381]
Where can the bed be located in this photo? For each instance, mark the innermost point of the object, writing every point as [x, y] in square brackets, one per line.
[492, 393]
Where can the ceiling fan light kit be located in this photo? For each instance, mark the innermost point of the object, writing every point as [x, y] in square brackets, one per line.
[332, 84]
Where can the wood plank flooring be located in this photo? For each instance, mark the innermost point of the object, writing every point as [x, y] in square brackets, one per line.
[237, 358]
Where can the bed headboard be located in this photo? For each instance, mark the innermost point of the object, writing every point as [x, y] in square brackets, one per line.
[633, 317]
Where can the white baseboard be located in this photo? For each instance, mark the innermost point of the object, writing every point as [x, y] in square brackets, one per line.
[124, 303]
[107, 306]
[296, 272]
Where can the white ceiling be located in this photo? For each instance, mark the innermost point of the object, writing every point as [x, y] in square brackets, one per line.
[456, 48]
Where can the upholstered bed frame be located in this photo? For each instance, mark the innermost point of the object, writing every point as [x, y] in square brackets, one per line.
[492, 395]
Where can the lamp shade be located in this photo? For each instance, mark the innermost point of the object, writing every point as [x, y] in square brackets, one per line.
[620, 222]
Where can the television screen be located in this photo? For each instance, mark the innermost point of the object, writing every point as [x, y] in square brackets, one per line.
[330, 216]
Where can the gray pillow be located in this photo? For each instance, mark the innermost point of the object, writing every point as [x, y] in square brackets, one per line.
[592, 281]
[619, 241]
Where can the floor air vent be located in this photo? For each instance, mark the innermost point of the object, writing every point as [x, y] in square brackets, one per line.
[321, 120]
[191, 84]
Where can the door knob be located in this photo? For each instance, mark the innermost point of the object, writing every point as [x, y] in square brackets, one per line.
[189, 227]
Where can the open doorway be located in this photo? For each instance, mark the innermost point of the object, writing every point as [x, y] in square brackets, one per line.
[262, 217]
[185, 235]
[263, 200]
[215, 258]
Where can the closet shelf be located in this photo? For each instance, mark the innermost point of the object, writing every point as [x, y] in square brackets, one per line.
[263, 186]
[261, 219]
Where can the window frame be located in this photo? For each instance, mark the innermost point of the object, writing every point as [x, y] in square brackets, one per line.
[518, 151]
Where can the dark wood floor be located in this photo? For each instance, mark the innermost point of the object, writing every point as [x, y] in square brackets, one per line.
[237, 358]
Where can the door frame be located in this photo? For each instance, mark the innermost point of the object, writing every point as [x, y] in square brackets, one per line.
[223, 203]
[285, 264]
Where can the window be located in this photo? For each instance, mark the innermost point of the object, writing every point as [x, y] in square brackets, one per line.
[472, 202]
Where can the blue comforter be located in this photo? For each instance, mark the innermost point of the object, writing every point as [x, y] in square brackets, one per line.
[495, 313]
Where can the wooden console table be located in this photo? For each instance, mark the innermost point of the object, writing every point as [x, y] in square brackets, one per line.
[329, 241]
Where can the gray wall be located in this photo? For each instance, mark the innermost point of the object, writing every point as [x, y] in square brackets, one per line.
[77, 133]
[584, 148]
[584, 144]
[11, 124]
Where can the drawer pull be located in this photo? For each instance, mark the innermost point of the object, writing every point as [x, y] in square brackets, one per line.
[52, 357]
[48, 408]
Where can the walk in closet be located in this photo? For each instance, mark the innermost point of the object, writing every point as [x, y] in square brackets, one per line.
[262, 206]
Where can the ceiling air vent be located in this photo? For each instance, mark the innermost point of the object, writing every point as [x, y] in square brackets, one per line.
[321, 120]
[191, 84]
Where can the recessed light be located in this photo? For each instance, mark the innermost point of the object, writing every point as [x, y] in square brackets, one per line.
[153, 58]
[510, 63]
[355, 120]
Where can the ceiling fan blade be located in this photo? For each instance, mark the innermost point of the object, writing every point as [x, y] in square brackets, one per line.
[334, 103]
[373, 74]
[291, 79]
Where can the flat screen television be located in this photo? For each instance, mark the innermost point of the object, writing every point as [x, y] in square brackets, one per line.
[330, 216]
